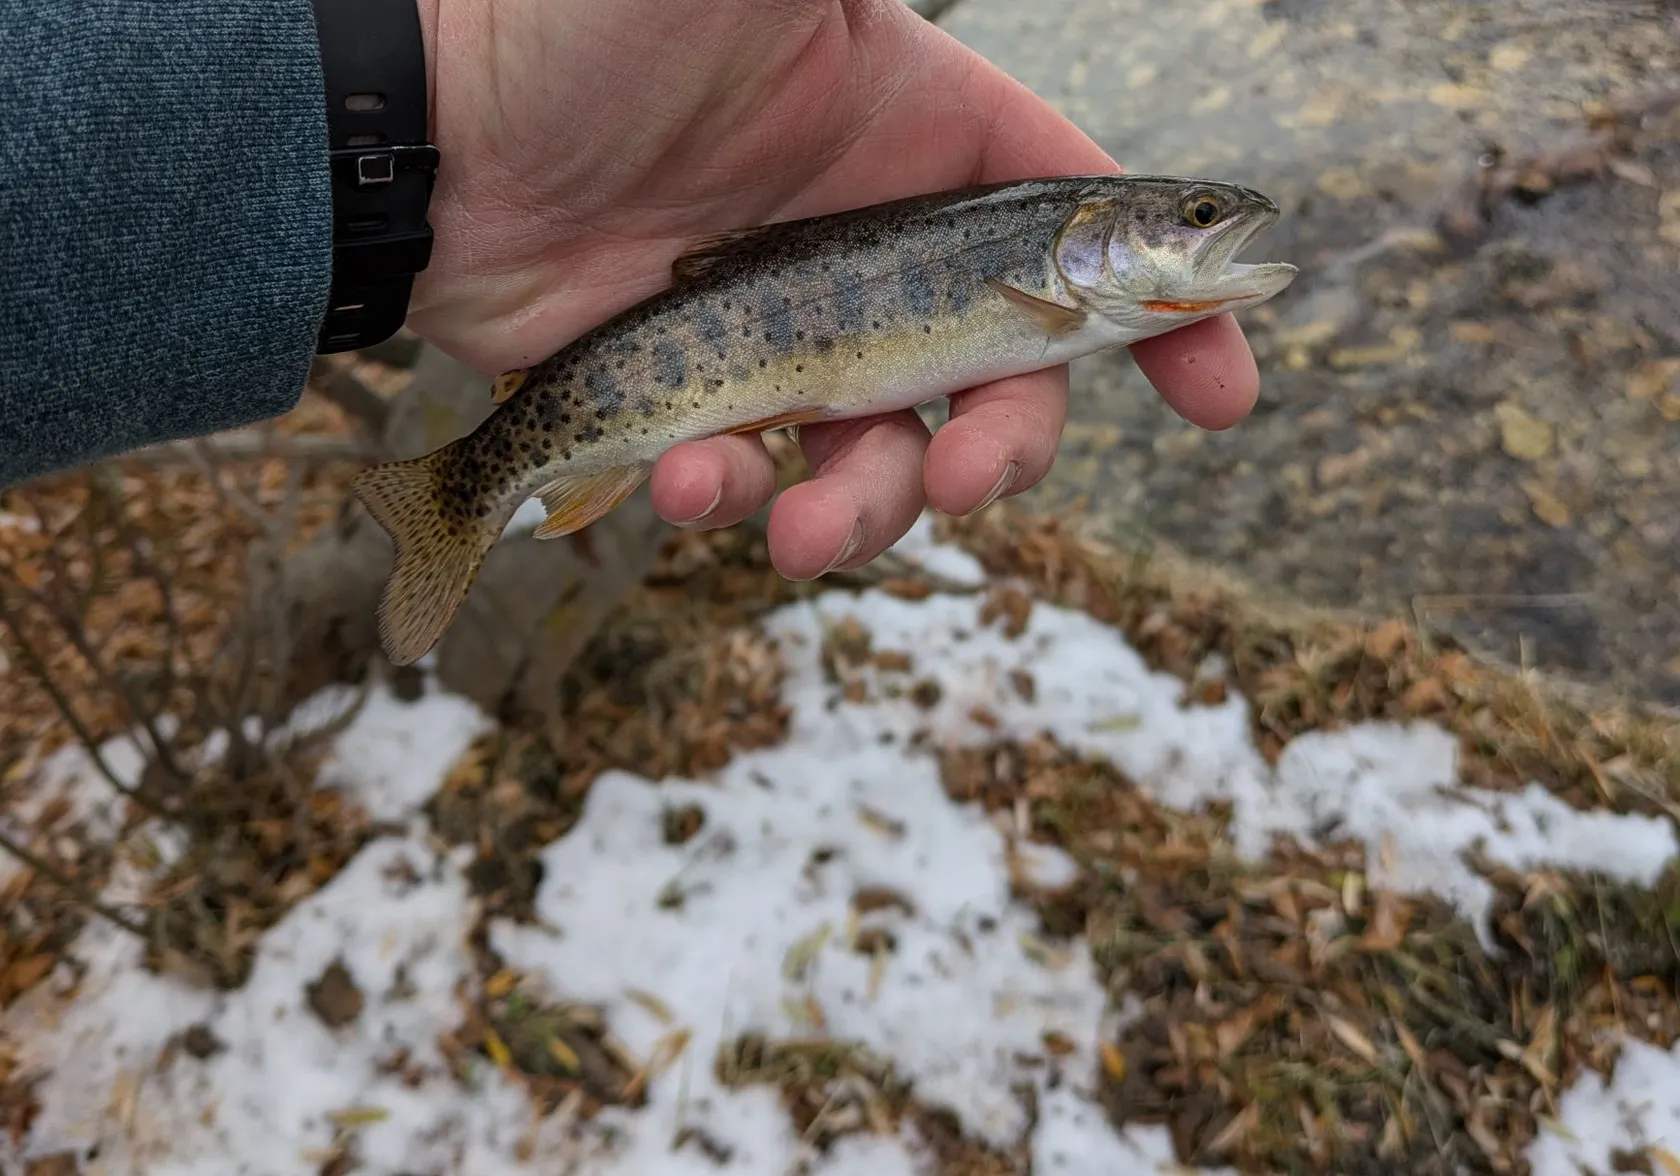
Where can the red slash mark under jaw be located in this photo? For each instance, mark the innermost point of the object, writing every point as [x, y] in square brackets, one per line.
[1162, 306]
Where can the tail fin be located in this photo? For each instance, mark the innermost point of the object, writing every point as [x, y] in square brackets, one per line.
[436, 560]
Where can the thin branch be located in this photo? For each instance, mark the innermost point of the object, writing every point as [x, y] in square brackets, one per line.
[1467, 213]
[38, 666]
[340, 385]
[77, 890]
[118, 684]
[250, 445]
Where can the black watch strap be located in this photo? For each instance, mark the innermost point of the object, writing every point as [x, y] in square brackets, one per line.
[373, 57]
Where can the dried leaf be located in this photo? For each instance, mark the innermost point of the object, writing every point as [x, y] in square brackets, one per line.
[796, 964]
[351, 1117]
[1350, 1036]
[1113, 1062]
[656, 1008]
[564, 1054]
[497, 1049]
[1236, 1130]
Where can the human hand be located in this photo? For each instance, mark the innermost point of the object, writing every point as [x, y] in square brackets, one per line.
[585, 145]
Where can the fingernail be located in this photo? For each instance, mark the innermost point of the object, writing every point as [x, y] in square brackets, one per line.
[1011, 471]
[705, 514]
[854, 541]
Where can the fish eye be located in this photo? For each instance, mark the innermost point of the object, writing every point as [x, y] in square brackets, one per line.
[1202, 212]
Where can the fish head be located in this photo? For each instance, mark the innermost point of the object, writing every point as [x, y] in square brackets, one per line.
[1155, 253]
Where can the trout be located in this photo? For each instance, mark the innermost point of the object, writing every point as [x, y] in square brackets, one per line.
[830, 317]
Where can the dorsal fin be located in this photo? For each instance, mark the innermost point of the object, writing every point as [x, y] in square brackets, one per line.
[707, 251]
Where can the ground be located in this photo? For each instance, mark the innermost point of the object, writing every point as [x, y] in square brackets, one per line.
[1016, 858]
[1481, 428]
[1033, 848]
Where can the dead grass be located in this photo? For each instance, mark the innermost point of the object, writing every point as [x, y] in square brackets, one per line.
[1293, 1020]
[1304, 670]
[832, 1089]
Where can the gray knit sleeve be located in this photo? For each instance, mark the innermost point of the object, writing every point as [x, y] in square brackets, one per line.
[165, 221]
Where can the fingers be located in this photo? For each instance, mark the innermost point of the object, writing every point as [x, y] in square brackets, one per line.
[713, 483]
[1001, 439]
[864, 494]
[1205, 371]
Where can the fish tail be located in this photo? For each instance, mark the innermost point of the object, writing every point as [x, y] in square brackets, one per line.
[438, 555]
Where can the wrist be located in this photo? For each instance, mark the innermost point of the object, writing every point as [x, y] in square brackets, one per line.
[427, 11]
[383, 167]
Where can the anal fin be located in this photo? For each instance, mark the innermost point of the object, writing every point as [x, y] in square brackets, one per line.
[574, 502]
[1053, 318]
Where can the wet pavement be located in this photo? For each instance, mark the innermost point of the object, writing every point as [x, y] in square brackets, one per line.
[1487, 435]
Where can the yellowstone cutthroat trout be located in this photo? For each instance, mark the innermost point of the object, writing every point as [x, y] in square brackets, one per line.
[826, 318]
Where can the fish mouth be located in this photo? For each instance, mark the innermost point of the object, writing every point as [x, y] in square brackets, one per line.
[1236, 282]
[1220, 282]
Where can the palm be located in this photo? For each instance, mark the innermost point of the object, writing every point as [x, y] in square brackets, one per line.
[584, 150]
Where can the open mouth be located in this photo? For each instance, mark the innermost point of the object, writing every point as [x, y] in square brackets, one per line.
[1232, 283]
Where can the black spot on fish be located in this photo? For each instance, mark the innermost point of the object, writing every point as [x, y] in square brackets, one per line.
[589, 435]
[917, 283]
[989, 259]
[645, 406]
[848, 302]
[605, 392]
[960, 293]
[778, 322]
[670, 366]
[710, 325]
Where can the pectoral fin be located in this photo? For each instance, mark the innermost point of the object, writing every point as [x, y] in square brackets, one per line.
[782, 420]
[507, 384]
[707, 251]
[575, 502]
[1052, 318]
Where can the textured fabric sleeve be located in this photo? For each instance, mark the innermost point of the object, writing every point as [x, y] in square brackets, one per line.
[165, 221]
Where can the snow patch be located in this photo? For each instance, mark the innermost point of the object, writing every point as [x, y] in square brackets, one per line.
[748, 926]
[1638, 1108]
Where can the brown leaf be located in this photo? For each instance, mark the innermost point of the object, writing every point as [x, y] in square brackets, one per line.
[1350, 1036]
[1387, 639]
[1234, 1132]
[334, 997]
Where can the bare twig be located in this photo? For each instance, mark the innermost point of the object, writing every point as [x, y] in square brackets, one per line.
[340, 385]
[138, 713]
[251, 445]
[79, 892]
[1467, 213]
[38, 667]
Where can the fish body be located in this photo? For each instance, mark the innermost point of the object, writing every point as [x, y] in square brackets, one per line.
[827, 318]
